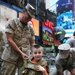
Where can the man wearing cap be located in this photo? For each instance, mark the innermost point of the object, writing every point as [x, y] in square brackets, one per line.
[65, 59]
[20, 37]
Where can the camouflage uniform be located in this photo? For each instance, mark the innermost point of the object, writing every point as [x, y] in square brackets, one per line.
[65, 64]
[1, 47]
[22, 36]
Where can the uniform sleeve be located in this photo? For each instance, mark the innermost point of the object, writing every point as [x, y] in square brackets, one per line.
[32, 34]
[58, 64]
[10, 26]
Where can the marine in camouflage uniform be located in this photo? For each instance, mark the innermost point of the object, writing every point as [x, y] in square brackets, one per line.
[20, 38]
[65, 60]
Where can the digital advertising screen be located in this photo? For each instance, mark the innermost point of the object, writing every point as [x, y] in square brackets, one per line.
[66, 21]
[6, 14]
[65, 17]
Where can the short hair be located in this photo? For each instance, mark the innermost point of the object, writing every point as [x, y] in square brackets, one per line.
[74, 33]
[36, 46]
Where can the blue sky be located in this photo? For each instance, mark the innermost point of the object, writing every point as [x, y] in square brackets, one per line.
[52, 4]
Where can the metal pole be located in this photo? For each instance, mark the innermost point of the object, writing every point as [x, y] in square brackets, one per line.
[36, 7]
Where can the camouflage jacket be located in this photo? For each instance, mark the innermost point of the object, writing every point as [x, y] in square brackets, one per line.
[22, 37]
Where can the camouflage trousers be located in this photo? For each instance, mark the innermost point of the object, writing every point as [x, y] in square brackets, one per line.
[0, 66]
[8, 68]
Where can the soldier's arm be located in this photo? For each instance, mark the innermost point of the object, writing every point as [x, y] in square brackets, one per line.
[58, 65]
[59, 70]
[14, 46]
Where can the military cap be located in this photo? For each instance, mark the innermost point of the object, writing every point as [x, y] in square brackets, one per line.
[64, 46]
[30, 10]
[64, 50]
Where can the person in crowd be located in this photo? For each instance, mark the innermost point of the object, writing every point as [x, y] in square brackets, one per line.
[71, 40]
[37, 53]
[65, 59]
[20, 37]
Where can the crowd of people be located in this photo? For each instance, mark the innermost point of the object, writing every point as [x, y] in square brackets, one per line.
[22, 53]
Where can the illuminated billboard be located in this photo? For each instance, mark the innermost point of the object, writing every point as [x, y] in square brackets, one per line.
[65, 17]
[48, 37]
[6, 14]
[47, 34]
[35, 24]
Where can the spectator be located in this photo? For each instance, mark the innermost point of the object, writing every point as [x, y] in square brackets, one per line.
[71, 40]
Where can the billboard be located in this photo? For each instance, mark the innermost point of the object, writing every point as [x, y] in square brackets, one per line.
[6, 14]
[65, 16]
[35, 25]
[47, 33]
[48, 36]
[63, 5]
[48, 30]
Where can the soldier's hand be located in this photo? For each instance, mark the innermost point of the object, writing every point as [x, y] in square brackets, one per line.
[24, 56]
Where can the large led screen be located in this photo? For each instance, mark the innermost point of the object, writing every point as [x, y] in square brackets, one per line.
[65, 17]
[66, 21]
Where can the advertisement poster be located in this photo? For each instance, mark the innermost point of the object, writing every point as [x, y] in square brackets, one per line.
[6, 14]
[65, 16]
[35, 25]
[48, 34]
